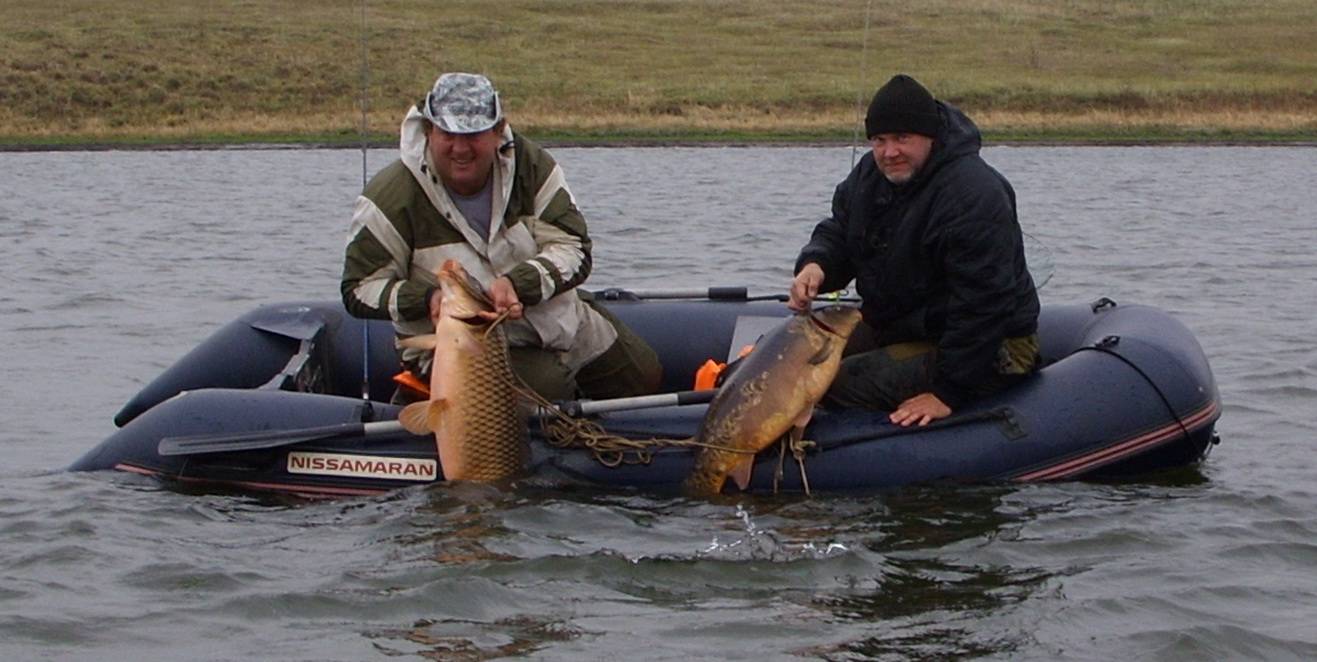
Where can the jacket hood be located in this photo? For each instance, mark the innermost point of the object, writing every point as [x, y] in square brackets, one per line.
[412, 150]
[958, 137]
[411, 141]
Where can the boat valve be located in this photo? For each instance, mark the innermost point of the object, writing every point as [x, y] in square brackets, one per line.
[1107, 342]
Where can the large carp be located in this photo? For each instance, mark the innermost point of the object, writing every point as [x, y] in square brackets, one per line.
[478, 427]
[771, 393]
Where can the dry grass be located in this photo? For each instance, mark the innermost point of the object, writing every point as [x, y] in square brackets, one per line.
[193, 70]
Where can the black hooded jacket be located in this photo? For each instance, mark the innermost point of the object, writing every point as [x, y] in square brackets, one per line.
[940, 258]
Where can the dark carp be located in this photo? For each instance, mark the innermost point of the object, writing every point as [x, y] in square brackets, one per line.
[772, 393]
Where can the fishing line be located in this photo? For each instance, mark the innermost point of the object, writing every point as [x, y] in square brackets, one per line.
[368, 412]
[859, 88]
[365, 79]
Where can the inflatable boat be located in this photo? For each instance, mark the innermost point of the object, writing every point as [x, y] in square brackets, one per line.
[293, 398]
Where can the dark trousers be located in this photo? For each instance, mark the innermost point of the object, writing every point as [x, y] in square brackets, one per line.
[881, 378]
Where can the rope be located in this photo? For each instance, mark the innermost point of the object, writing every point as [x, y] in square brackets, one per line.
[1104, 347]
[611, 450]
[564, 431]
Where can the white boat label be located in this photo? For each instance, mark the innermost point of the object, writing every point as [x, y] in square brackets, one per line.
[362, 466]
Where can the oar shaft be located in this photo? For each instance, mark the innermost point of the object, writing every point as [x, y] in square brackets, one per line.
[588, 407]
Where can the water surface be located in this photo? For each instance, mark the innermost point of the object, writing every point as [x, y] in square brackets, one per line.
[116, 263]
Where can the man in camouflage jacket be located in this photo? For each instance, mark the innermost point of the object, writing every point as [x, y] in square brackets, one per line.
[468, 188]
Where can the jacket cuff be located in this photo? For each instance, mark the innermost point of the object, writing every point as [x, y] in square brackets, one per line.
[413, 301]
[526, 281]
[807, 257]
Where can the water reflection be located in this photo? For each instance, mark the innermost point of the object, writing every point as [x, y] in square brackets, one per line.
[935, 591]
[471, 640]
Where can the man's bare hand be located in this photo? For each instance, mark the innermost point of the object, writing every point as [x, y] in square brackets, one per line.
[920, 410]
[505, 300]
[805, 287]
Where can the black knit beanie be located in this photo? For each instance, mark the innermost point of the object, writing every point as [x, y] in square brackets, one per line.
[902, 105]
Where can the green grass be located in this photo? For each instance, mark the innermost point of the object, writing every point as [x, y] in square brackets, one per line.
[193, 71]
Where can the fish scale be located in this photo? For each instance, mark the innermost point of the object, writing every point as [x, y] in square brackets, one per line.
[492, 393]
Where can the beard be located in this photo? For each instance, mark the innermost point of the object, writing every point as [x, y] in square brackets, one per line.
[901, 170]
[900, 178]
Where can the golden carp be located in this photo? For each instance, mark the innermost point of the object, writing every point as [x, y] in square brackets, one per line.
[478, 427]
[771, 393]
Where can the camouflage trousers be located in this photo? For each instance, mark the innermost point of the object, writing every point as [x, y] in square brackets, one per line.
[629, 367]
[882, 378]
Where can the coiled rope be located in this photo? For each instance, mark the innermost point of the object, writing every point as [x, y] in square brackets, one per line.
[562, 430]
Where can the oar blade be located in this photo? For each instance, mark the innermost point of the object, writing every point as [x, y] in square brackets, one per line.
[246, 441]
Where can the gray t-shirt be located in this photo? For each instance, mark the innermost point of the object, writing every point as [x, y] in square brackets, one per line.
[476, 208]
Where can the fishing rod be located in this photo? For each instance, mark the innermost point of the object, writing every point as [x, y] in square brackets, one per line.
[859, 88]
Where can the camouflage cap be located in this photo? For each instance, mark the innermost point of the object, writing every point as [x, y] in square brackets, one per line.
[463, 103]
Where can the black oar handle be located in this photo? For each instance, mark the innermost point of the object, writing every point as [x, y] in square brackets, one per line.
[713, 293]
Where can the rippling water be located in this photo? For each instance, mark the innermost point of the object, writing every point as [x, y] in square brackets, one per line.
[116, 263]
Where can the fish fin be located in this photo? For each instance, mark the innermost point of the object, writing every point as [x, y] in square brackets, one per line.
[740, 472]
[427, 341]
[824, 352]
[434, 410]
[469, 344]
[798, 425]
[414, 418]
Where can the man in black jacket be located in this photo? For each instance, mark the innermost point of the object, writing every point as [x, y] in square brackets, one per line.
[928, 232]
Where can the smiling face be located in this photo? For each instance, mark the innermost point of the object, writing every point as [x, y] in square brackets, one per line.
[900, 155]
[463, 160]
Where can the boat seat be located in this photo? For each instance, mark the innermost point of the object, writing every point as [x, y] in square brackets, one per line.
[749, 329]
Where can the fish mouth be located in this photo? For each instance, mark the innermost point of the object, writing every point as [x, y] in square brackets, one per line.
[824, 326]
[472, 320]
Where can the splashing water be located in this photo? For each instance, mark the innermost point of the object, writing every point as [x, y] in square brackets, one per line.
[756, 544]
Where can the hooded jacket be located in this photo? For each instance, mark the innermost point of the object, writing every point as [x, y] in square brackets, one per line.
[938, 259]
[405, 225]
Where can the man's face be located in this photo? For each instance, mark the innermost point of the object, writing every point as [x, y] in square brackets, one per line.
[900, 155]
[463, 160]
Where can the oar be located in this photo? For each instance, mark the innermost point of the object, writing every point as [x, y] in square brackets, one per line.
[247, 441]
[714, 293]
[710, 293]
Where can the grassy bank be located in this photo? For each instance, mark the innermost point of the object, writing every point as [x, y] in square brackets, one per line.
[197, 71]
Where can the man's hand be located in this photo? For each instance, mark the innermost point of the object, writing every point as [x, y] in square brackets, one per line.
[805, 287]
[505, 300]
[920, 410]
